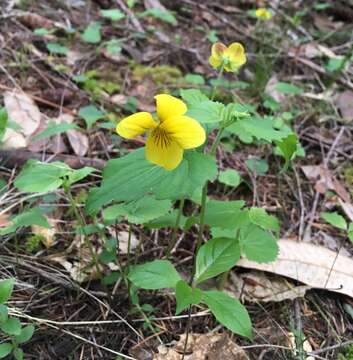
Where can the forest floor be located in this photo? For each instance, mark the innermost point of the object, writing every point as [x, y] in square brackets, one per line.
[65, 55]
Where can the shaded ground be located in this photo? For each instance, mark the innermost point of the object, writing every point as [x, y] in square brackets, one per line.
[300, 45]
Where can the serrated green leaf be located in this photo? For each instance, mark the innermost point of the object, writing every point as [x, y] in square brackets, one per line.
[158, 274]
[260, 128]
[335, 220]
[186, 295]
[11, 327]
[229, 312]
[257, 244]
[5, 349]
[260, 217]
[223, 214]
[6, 288]
[215, 257]
[112, 14]
[92, 33]
[90, 114]
[230, 177]
[132, 177]
[286, 88]
[206, 112]
[54, 129]
[193, 96]
[25, 335]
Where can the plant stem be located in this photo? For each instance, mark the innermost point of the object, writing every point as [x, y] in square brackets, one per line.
[82, 223]
[173, 239]
[213, 94]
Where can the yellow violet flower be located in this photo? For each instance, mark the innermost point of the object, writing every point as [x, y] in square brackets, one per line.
[263, 14]
[231, 57]
[170, 136]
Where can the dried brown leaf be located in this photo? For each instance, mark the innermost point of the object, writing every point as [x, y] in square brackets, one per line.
[310, 264]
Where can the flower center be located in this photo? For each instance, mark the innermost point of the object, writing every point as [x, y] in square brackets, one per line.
[160, 137]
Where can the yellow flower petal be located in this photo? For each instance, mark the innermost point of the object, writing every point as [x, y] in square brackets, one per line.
[217, 50]
[168, 106]
[135, 125]
[215, 62]
[263, 13]
[163, 151]
[186, 131]
[236, 54]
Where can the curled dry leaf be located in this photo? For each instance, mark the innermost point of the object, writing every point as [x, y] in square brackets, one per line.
[203, 347]
[325, 181]
[257, 286]
[47, 235]
[78, 140]
[310, 264]
[344, 102]
[23, 111]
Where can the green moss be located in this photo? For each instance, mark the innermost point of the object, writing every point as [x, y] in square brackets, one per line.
[348, 176]
[346, 354]
[160, 75]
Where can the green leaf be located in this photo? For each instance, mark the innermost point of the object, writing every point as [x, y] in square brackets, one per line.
[230, 177]
[54, 129]
[335, 220]
[5, 349]
[140, 211]
[3, 313]
[195, 79]
[223, 214]
[350, 232]
[167, 220]
[6, 288]
[186, 295]
[257, 166]
[112, 14]
[193, 96]
[25, 335]
[112, 278]
[28, 218]
[90, 114]
[163, 15]
[206, 112]
[11, 327]
[3, 122]
[335, 64]
[157, 274]
[48, 176]
[260, 128]
[229, 312]
[56, 48]
[92, 33]
[288, 148]
[18, 354]
[260, 217]
[131, 177]
[286, 88]
[215, 257]
[79, 174]
[257, 244]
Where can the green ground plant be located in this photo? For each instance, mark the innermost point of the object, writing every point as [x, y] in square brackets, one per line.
[150, 186]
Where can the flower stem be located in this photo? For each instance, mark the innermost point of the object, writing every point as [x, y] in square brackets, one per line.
[220, 74]
[175, 229]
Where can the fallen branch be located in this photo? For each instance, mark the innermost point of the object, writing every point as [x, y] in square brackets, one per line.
[20, 157]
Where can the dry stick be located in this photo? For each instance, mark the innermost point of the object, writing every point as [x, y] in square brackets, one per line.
[131, 15]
